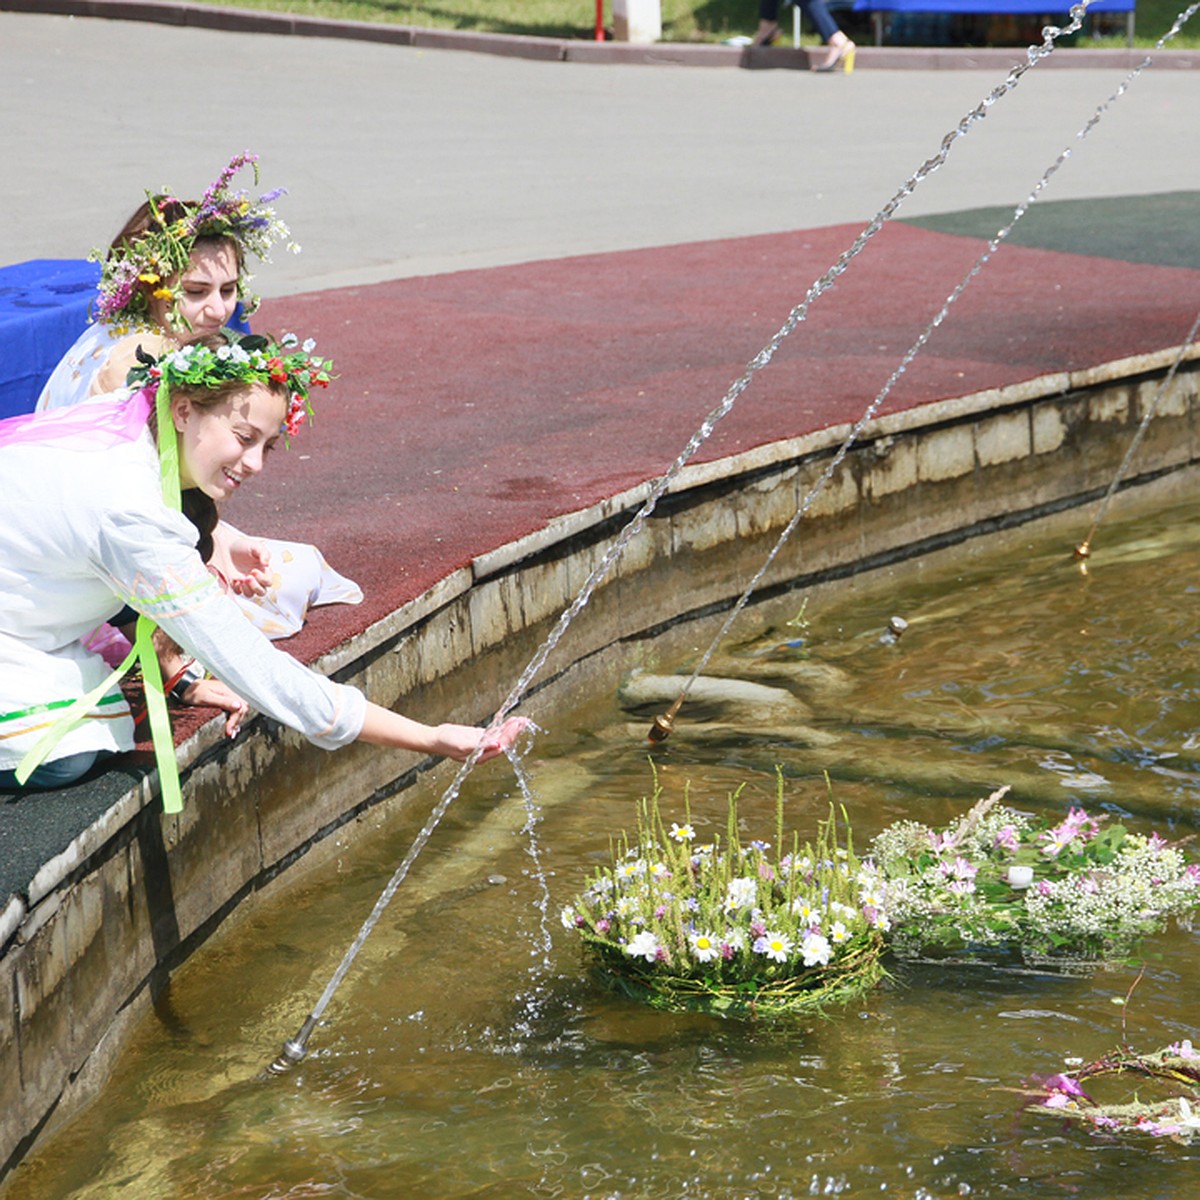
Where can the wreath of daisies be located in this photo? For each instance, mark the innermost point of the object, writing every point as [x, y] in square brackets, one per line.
[768, 928]
[731, 928]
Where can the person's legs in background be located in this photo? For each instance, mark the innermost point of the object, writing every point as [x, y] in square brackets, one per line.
[841, 49]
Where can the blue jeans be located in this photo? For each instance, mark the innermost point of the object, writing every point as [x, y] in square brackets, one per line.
[54, 774]
[814, 10]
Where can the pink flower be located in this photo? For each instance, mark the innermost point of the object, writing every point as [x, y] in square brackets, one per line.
[1007, 839]
[1080, 824]
[1063, 1090]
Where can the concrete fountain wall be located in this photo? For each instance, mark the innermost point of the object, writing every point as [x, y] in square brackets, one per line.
[89, 948]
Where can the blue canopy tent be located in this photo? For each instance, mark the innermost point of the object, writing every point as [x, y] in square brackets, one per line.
[880, 8]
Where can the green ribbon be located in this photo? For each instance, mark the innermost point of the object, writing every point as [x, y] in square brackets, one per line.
[77, 711]
[156, 713]
[168, 447]
[143, 651]
[156, 710]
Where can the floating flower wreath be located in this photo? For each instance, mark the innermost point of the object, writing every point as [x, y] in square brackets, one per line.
[250, 359]
[731, 929]
[1175, 1069]
[149, 267]
[1058, 894]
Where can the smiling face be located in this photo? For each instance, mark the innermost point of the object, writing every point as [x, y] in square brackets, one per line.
[223, 445]
[207, 289]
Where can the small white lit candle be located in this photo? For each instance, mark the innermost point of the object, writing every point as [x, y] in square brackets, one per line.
[1020, 877]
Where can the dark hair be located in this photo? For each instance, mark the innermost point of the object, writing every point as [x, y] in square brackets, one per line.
[201, 510]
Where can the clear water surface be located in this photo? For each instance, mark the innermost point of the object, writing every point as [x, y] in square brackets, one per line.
[468, 1053]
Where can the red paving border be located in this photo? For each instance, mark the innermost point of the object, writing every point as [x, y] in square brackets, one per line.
[473, 407]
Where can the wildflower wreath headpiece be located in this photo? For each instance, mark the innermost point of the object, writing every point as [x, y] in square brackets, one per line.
[149, 266]
[249, 359]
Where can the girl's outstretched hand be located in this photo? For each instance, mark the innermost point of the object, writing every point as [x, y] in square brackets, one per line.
[458, 741]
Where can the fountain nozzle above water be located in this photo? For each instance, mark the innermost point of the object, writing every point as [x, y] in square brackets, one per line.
[664, 724]
[293, 1052]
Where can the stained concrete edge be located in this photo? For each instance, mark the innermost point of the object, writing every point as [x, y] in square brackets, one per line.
[563, 529]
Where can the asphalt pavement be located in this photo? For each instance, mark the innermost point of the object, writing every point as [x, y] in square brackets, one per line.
[404, 161]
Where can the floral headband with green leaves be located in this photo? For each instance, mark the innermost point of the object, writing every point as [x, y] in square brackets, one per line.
[249, 359]
[149, 267]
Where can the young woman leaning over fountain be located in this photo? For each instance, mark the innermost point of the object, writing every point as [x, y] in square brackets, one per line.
[91, 521]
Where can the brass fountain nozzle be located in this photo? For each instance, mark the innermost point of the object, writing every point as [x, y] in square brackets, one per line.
[1083, 550]
[664, 724]
[293, 1052]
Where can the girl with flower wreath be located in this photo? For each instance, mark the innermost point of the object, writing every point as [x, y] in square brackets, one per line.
[91, 521]
[176, 272]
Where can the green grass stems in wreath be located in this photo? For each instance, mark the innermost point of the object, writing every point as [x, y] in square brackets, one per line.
[765, 928]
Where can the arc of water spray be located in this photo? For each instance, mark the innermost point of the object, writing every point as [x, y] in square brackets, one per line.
[295, 1048]
[664, 724]
[1034, 54]
[1084, 550]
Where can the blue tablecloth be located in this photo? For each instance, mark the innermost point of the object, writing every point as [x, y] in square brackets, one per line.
[43, 309]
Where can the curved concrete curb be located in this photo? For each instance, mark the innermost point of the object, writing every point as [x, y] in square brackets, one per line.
[578, 50]
[97, 935]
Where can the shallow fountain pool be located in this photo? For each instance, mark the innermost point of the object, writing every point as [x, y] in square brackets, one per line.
[468, 1054]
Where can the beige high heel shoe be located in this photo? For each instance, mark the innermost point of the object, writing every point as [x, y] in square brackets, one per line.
[844, 61]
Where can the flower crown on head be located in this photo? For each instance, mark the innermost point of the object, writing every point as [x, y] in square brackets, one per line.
[249, 359]
[149, 266]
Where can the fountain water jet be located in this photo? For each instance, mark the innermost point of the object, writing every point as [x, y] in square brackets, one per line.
[663, 726]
